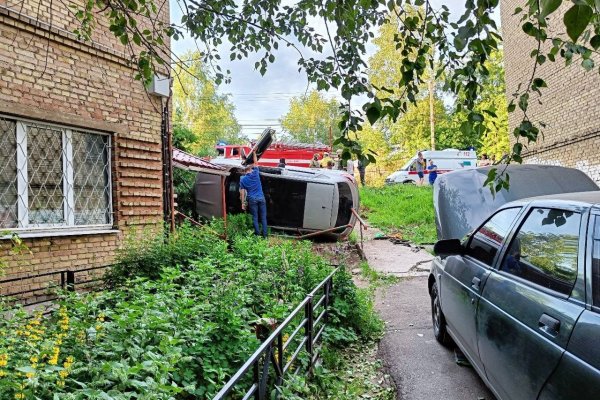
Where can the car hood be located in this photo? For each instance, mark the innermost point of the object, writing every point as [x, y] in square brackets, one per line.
[462, 203]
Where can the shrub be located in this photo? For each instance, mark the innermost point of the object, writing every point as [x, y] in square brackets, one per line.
[180, 328]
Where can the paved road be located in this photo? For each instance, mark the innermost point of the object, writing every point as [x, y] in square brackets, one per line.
[420, 366]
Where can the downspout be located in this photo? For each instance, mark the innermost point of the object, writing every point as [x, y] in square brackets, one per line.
[224, 205]
[167, 152]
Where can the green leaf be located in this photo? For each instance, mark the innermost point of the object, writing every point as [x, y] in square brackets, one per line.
[373, 114]
[26, 370]
[539, 83]
[576, 19]
[529, 29]
[524, 101]
[588, 64]
[548, 7]
[595, 42]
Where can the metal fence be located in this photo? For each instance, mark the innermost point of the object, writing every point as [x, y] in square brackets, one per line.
[272, 360]
[81, 279]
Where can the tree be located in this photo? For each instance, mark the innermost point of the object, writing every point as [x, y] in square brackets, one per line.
[412, 131]
[203, 116]
[493, 138]
[338, 57]
[310, 117]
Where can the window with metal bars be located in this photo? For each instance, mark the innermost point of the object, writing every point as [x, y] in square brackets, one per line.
[53, 176]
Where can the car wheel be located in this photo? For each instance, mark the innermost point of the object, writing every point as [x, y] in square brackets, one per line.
[437, 316]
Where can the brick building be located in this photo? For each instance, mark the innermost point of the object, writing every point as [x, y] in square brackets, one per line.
[570, 107]
[81, 154]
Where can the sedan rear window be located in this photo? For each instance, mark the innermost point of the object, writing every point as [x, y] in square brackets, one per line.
[545, 249]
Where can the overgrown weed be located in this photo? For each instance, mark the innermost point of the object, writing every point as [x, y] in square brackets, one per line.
[178, 319]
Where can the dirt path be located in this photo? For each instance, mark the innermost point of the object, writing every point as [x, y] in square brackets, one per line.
[418, 364]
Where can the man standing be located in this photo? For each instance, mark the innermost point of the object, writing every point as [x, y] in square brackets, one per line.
[420, 167]
[361, 171]
[314, 163]
[432, 168]
[325, 160]
[350, 167]
[485, 161]
[252, 197]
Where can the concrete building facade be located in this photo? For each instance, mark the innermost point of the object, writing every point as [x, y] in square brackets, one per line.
[570, 106]
[81, 161]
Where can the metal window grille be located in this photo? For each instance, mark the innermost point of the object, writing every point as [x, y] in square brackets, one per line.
[52, 176]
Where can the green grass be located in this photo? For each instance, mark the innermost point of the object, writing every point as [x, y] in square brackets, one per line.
[406, 209]
[375, 278]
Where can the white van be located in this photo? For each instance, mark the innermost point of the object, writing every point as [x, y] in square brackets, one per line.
[446, 161]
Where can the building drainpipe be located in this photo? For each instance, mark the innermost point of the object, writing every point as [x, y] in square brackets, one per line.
[224, 205]
[168, 190]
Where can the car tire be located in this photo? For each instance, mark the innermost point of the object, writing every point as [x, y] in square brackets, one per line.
[437, 316]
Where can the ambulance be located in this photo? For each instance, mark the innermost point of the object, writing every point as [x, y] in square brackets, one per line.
[446, 160]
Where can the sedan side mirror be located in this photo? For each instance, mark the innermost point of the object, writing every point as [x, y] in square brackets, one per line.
[448, 247]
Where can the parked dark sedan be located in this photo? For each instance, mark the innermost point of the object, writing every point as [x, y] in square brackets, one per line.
[520, 296]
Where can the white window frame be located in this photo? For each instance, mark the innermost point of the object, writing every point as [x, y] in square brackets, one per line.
[24, 228]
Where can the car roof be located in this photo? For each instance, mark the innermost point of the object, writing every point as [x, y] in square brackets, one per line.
[462, 202]
[591, 198]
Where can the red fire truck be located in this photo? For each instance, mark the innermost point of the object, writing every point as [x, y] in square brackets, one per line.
[295, 154]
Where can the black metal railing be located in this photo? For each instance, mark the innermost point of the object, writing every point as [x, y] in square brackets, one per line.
[269, 364]
[70, 280]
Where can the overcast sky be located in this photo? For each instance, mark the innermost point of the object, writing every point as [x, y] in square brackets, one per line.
[260, 101]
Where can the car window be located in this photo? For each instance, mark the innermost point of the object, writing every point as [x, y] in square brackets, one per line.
[486, 241]
[596, 263]
[544, 250]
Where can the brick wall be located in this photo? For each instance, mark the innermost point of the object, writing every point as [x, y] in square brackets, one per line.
[570, 106]
[47, 75]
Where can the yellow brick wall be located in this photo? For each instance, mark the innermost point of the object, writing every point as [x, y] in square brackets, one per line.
[570, 106]
[47, 75]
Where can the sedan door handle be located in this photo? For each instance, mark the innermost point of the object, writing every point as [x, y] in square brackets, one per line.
[475, 283]
[549, 325]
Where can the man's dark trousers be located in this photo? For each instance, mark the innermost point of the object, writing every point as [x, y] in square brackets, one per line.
[258, 209]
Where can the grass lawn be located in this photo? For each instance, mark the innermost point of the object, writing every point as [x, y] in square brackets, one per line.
[404, 209]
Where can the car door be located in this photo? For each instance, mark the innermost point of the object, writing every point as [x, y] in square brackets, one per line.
[578, 373]
[318, 206]
[464, 276]
[525, 316]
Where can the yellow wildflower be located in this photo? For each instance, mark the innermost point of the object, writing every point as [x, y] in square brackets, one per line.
[30, 375]
[60, 383]
[19, 396]
[2, 373]
[63, 374]
[33, 359]
[54, 358]
[3, 360]
[68, 362]
[98, 327]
